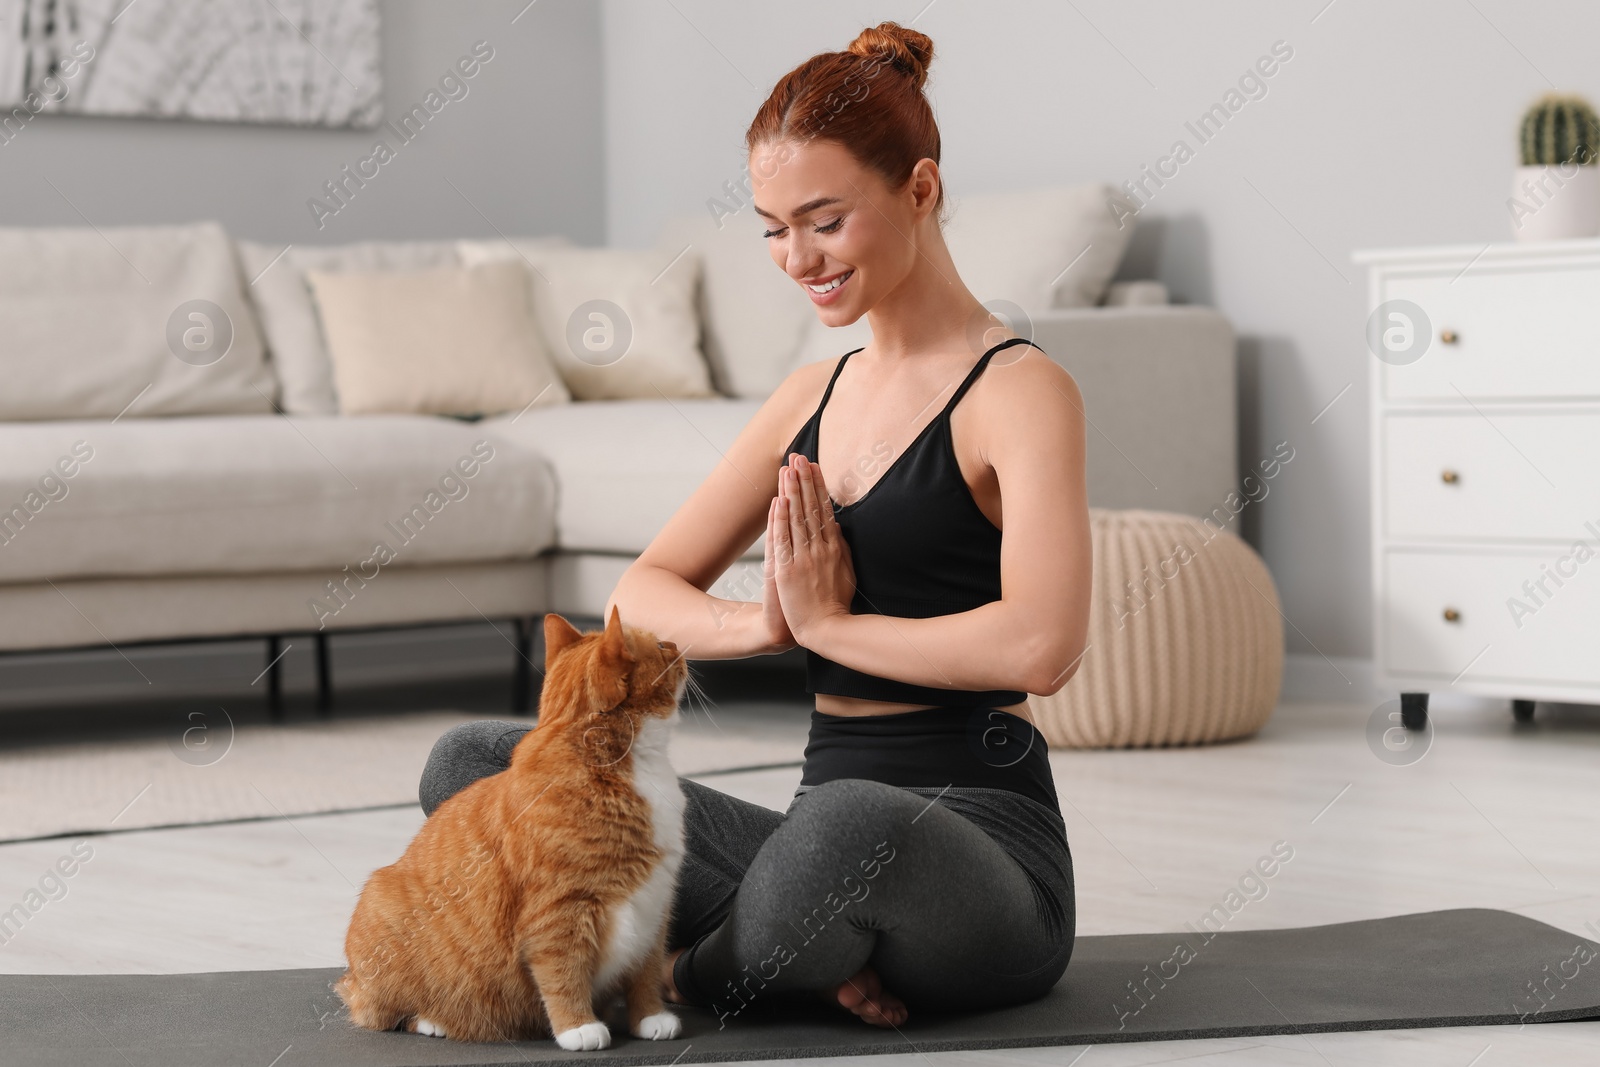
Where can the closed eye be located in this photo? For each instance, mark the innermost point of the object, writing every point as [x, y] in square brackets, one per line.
[830, 227]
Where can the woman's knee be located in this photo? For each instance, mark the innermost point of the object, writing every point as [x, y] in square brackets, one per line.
[851, 798]
[463, 754]
[856, 814]
[475, 741]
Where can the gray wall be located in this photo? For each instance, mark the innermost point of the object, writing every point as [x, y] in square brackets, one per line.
[523, 146]
[1392, 124]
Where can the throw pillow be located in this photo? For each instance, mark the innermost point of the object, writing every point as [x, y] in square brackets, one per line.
[449, 341]
[621, 324]
[277, 278]
[128, 322]
[1038, 248]
[754, 314]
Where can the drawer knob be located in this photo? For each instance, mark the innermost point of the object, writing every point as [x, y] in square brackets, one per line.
[1448, 337]
[1449, 477]
[1452, 615]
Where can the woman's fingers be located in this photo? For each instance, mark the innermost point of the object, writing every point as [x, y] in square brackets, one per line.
[824, 502]
[795, 509]
[778, 531]
[794, 505]
[767, 560]
[806, 483]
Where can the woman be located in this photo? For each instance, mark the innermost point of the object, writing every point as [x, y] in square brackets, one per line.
[923, 863]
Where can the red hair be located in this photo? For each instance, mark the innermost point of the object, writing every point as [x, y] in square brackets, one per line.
[867, 98]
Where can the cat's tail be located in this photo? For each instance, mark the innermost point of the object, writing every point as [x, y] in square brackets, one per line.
[366, 1009]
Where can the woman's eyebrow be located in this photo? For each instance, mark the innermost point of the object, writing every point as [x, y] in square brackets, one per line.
[804, 209]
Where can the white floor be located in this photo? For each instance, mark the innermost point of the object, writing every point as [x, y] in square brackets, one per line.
[1494, 815]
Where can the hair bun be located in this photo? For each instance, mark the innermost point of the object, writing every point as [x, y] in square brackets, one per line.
[907, 49]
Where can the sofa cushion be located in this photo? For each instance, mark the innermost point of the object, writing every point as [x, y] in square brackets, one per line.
[1036, 249]
[620, 323]
[625, 466]
[448, 341]
[262, 493]
[126, 320]
[752, 314]
[289, 318]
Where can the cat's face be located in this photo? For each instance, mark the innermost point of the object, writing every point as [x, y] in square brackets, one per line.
[621, 668]
[659, 676]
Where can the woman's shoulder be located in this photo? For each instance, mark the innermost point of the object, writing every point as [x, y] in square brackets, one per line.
[1022, 370]
[818, 370]
[790, 405]
[803, 386]
[1024, 393]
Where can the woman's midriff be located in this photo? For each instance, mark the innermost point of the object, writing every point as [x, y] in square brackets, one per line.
[935, 748]
[829, 704]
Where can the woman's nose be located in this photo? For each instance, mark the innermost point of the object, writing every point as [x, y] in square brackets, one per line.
[803, 261]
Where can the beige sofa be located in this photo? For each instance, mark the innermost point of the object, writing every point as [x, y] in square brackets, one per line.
[144, 499]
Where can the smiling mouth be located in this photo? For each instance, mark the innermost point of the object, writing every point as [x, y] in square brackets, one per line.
[832, 284]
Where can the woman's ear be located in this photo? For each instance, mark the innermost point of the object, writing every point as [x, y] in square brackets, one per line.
[925, 183]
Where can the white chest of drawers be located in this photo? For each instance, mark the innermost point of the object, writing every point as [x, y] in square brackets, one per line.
[1485, 403]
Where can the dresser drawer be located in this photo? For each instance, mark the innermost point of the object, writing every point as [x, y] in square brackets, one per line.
[1519, 333]
[1553, 636]
[1490, 476]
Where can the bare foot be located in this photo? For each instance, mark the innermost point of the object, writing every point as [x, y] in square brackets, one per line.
[863, 994]
[669, 988]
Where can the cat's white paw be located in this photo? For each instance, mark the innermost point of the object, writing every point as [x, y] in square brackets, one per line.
[585, 1038]
[429, 1029]
[662, 1026]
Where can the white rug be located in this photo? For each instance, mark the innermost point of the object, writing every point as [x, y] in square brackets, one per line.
[218, 774]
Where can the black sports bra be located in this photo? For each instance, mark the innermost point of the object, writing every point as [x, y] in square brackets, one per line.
[920, 546]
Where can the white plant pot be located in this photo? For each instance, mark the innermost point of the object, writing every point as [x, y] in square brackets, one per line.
[1554, 203]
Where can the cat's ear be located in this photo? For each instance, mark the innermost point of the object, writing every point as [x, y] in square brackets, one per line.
[558, 634]
[615, 661]
[613, 645]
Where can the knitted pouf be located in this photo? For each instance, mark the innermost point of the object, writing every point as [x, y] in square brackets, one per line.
[1185, 639]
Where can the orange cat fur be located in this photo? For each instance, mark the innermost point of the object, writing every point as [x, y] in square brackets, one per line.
[533, 895]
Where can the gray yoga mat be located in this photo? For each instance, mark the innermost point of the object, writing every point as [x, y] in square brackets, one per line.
[1471, 966]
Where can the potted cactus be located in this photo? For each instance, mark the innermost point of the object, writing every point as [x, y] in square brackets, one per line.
[1556, 192]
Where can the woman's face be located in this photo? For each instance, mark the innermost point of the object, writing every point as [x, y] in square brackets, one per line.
[836, 226]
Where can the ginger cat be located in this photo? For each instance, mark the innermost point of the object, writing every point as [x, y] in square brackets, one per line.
[534, 894]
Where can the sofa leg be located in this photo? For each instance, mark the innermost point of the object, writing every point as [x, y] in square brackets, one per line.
[274, 680]
[324, 678]
[522, 669]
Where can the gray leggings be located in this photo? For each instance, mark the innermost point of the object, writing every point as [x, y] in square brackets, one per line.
[961, 897]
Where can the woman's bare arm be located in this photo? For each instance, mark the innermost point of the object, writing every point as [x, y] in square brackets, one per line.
[665, 589]
[1032, 638]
